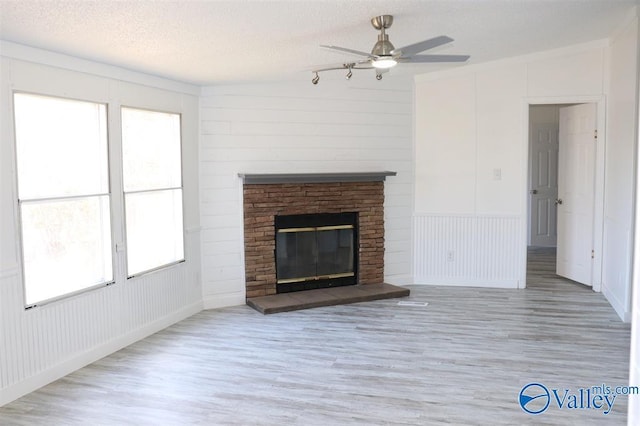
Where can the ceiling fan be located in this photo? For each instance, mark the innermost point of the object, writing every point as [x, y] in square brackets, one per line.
[385, 56]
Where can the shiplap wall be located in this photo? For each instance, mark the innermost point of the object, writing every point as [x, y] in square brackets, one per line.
[280, 127]
[42, 344]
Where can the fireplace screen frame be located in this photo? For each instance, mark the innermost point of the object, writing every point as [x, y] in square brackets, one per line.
[315, 223]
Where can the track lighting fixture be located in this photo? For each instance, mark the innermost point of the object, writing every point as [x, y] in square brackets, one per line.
[348, 66]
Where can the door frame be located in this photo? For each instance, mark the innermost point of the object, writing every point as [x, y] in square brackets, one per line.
[598, 214]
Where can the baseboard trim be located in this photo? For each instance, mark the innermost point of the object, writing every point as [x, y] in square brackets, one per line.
[616, 304]
[78, 361]
[466, 282]
[224, 300]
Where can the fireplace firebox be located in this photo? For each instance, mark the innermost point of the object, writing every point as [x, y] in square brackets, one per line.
[316, 251]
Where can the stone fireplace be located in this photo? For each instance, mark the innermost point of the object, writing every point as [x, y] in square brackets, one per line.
[269, 198]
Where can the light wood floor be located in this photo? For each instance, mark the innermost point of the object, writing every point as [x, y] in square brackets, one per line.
[462, 359]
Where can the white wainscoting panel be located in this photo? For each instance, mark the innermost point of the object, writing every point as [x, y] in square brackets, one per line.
[47, 342]
[484, 251]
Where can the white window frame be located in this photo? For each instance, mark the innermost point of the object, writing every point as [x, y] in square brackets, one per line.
[20, 201]
[125, 193]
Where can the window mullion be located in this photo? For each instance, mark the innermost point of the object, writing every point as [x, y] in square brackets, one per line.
[117, 192]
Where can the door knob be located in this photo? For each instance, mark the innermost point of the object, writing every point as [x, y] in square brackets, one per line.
[558, 201]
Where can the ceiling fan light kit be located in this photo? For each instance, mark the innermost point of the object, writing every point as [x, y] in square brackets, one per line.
[384, 63]
[385, 56]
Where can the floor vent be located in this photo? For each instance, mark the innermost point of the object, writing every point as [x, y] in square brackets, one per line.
[412, 303]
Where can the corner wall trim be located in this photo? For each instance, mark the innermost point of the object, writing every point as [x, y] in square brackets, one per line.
[617, 304]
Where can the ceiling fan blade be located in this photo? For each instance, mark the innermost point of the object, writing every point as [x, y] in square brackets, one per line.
[421, 46]
[435, 58]
[345, 50]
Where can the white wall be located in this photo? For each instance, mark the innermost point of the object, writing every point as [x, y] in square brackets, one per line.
[471, 122]
[619, 183]
[44, 343]
[336, 126]
[634, 365]
[469, 169]
[633, 417]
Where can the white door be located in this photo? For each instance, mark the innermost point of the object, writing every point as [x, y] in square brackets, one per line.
[544, 184]
[576, 188]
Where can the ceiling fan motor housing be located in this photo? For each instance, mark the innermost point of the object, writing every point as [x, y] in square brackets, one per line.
[383, 47]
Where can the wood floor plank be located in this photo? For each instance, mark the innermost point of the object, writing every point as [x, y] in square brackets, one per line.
[462, 359]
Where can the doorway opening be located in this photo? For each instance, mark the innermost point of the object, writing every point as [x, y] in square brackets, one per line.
[544, 122]
[563, 187]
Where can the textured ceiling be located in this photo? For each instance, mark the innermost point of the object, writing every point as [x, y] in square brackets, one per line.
[210, 42]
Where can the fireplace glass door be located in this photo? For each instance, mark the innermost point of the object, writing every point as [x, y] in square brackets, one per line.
[320, 254]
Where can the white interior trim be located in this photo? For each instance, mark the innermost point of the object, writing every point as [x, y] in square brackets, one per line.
[47, 57]
[598, 231]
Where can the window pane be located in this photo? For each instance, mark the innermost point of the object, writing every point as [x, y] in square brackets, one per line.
[61, 147]
[151, 150]
[67, 246]
[154, 229]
